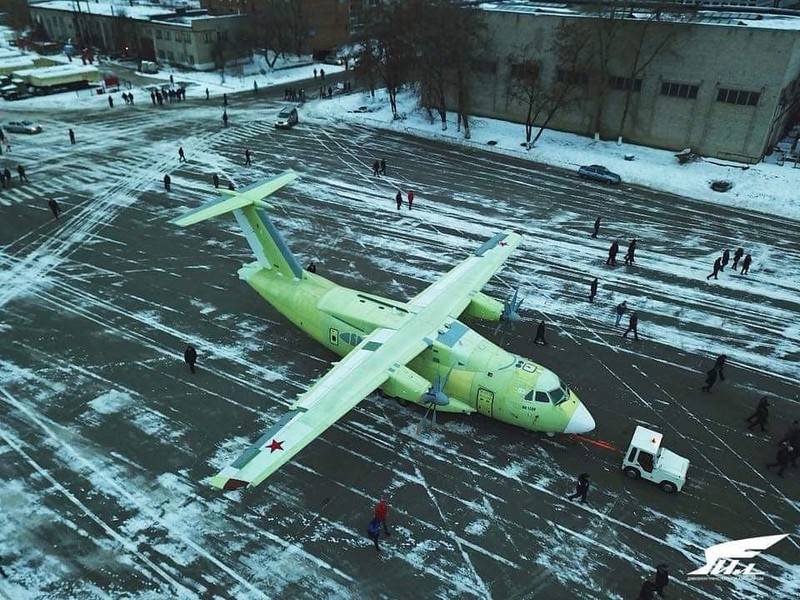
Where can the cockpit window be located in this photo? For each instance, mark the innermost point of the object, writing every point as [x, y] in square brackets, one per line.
[542, 397]
[560, 394]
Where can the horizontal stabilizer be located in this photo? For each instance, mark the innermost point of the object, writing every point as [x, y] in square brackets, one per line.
[246, 197]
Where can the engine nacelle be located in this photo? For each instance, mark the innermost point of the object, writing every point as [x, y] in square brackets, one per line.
[406, 385]
[484, 307]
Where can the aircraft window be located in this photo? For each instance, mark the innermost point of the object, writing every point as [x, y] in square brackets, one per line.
[560, 394]
[646, 460]
[529, 396]
[542, 397]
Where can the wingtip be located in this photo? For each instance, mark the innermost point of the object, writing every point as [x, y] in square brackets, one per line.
[227, 484]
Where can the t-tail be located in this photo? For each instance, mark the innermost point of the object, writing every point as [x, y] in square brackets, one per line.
[248, 207]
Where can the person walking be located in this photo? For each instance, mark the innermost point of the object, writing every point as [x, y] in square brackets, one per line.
[7, 178]
[383, 166]
[633, 325]
[167, 182]
[711, 377]
[376, 168]
[381, 512]
[620, 310]
[311, 268]
[399, 199]
[719, 364]
[231, 186]
[215, 180]
[737, 256]
[255, 88]
[726, 257]
[181, 155]
[315, 73]
[593, 290]
[374, 532]
[782, 458]
[190, 357]
[662, 578]
[225, 100]
[596, 227]
[110, 101]
[207, 94]
[21, 173]
[647, 591]
[247, 162]
[540, 334]
[410, 196]
[322, 75]
[71, 137]
[717, 268]
[225, 118]
[581, 488]
[746, 264]
[760, 416]
[612, 254]
[54, 207]
[630, 255]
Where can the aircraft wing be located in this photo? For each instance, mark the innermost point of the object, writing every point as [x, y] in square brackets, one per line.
[356, 376]
[466, 279]
[368, 366]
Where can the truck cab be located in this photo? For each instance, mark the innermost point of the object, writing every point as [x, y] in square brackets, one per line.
[648, 459]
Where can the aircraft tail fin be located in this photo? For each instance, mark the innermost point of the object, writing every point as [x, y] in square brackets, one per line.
[248, 206]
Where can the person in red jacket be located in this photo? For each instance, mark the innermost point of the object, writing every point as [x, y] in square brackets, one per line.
[381, 510]
[410, 197]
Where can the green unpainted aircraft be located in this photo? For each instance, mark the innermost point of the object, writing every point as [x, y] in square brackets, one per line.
[417, 351]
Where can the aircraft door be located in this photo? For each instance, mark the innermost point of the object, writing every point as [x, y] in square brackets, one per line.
[485, 402]
[333, 336]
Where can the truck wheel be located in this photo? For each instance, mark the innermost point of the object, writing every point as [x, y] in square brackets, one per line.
[668, 486]
[631, 473]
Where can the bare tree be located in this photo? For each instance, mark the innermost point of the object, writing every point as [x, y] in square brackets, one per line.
[469, 46]
[278, 27]
[434, 36]
[18, 15]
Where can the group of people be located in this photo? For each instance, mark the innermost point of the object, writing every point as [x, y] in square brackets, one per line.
[157, 96]
[379, 167]
[722, 261]
[399, 199]
[294, 94]
[630, 255]
[5, 176]
[323, 93]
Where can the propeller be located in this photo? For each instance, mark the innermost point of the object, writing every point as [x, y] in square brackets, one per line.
[510, 314]
[434, 397]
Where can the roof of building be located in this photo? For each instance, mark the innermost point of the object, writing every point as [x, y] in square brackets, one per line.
[756, 17]
[181, 13]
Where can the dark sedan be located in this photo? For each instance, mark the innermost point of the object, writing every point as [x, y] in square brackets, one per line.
[598, 173]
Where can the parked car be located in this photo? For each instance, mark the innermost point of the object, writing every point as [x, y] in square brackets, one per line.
[23, 127]
[598, 173]
[287, 118]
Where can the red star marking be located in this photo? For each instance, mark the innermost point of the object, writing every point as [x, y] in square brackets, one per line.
[275, 445]
[504, 243]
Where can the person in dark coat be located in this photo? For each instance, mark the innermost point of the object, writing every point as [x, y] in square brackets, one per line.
[383, 166]
[620, 310]
[782, 458]
[71, 137]
[225, 118]
[110, 102]
[231, 186]
[720, 364]
[593, 290]
[181, 155]
[153, 97]
[647, 591]
[167, 182]
[540, 334]
[215, 180]
[746, 264]
[581, 488]
[207, 94]
[247, 162]
[662, 578]
[54, 207]
[759, 417]
[726, 257]
[737, 257]
[596, 227]
[381, 512]
[711, 377]
[374, 532]
[630, 255]
[21, 173]
[717, 268]
[633, 325]
[376, 168]
[311, 268]
[224, 99]
[190, 356]
[6, 178]
[612, 254]
[399, 199]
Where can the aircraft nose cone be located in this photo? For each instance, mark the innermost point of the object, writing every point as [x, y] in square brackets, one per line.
[581, 421]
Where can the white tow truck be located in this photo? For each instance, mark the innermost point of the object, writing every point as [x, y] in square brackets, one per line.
[646, 458]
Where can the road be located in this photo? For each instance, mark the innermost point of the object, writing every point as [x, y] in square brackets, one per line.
[107, 439]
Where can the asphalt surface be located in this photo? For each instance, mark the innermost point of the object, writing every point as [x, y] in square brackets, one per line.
[106, 438]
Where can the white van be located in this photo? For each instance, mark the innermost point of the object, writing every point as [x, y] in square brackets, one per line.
[646, 458]
[148, 66]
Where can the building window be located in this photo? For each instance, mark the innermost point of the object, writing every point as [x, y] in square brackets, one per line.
[171, 56]
[167, 36]
[178, 36]
[678, 90]
[162, 54]
[572, 76]
[158, 34]
[207, 37]
[625, 83]
[191, 59]
[739, 97]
